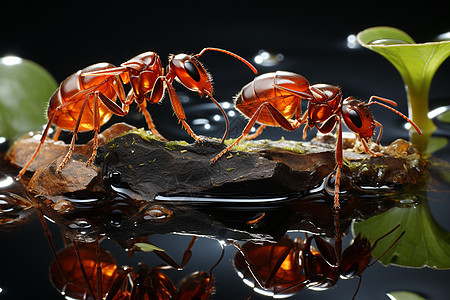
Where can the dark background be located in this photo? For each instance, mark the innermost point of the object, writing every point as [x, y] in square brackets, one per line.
[66, 36]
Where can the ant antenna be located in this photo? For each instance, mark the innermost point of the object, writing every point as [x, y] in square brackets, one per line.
[227, 125]
[394, 110]
[389, 248]
[229, 53]
[221, 243]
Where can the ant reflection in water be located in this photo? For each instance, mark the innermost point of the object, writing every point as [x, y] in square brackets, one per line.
[284, 268]
[86, 271]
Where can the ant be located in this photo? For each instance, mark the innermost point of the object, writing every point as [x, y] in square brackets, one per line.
[154, 284]
[87, 99]
[272, 99]
[148, 82]
[286, 267]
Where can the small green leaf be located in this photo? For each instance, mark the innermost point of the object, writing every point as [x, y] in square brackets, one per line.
[25, 88]
[404, 295]
[146, 247]
[424, 244]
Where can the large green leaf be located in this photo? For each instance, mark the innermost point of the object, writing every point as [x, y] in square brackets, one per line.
[25, 88]
[424, 244]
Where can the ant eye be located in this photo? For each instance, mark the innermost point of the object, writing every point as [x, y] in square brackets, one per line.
[192, 70]
[355, 118]
[350, 272]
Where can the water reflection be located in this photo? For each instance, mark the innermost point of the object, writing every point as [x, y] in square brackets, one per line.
[280, 244]
[268, 59]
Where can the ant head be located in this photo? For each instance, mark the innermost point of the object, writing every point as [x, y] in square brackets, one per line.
[355, 258]
[358, 118]
[190, 72]
[142, 72]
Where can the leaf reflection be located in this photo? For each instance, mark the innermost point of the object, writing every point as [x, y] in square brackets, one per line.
[425, 244]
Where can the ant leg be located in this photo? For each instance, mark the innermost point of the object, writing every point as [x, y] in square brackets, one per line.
[187, 254]
[179, 111]
[245, 132]
[256, 134]
[381, 131]
[96, 117]
[300, 94]
[99, 271]
[148, 118]
[339, 162]
[290, 125]
[57, 133]
[158, 90]
[83, 271]
[74, 137]
[44, 136]
[366, 148]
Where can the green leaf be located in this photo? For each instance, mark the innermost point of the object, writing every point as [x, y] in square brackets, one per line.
[146, 247]
[444, 117]
[417, 63]
[25, 88]
[405, 295]
[424, 244]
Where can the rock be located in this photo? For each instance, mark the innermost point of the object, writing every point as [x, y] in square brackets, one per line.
[151, 167]
[74, 177]
[154, 167]
[21, 151]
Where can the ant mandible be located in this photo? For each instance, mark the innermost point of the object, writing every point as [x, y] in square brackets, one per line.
[87, 99]
[272, 99]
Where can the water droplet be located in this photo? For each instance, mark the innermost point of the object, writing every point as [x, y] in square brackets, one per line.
[268, 59]
[11, 60]
[157, 213]
[80, 224]
[352, 42]
[6, 181]
[116, 218]
[63, 206]
[200, 121]
[443, 37]
[387, 42]
[115, 177]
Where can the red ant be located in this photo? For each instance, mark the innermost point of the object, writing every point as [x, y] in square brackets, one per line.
[148, 82]
[87, 99]
[149, 283]
[273, 99]
[286, 267]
